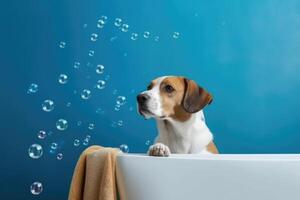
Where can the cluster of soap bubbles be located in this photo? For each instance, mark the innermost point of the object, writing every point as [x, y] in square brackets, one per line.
[124, 27]
[100, 83]
[85, 142]
[35, 151]
[120, 101]
[118, 123]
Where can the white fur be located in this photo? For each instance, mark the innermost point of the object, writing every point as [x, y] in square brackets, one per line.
[189, 137]
[154, 103]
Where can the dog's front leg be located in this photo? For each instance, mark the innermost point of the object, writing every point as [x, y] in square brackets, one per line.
[159, 149]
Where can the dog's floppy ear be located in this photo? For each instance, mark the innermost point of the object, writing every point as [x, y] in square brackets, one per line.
[195, 97]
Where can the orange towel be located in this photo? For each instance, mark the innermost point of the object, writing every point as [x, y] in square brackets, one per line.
[94, 175]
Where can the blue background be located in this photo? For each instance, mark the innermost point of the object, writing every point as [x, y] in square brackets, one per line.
[246, 53]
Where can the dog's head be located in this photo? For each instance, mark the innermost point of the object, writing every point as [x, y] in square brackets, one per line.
[172, 97]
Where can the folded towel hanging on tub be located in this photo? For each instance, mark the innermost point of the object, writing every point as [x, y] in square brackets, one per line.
[94, 175]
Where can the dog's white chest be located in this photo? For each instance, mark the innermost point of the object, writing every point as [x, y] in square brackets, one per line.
[185, 137]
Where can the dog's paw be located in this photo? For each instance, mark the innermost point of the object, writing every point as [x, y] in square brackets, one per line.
[159, 149]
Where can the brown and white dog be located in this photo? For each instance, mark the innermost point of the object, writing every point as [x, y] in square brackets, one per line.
[176, 103]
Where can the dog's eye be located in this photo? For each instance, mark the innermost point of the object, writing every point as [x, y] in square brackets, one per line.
[169, 89]
[149, 87]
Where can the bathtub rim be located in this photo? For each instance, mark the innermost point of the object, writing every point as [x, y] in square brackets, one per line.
[217, 157]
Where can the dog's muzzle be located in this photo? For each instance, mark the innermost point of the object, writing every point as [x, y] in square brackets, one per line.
[142, 100]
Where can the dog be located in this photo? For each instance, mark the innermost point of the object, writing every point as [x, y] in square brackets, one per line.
[177, 105]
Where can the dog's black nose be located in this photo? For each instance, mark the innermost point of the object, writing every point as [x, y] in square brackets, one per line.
[142, 98]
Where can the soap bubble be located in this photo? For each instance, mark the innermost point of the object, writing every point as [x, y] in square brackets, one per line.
[147, 143]
[100, 84]
[94, 37]
[134, 36]
[54, 146]
[104, 18]
[63, 79]
[42, 134]
[125, 28]
[91, 126]
[61, 124]
[99, 69]
[117, 107]
[91, 53]
[176, 35]
[35, 151]
[112, 39]
[59, 156]
[124, 148]
[85, 142]
[156, 38]
[33, 88]
[121, 100]
[86, 94]
[146, 34]
[76, 64]
[48, 105]
[36, 188]
[62, 44]
[88, 137]
[76, 142]
[107, 77]
[118, 22]
[79, 123]
[120, 123]
[102, 21]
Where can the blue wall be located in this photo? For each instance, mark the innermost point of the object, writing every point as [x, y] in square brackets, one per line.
[246, 53]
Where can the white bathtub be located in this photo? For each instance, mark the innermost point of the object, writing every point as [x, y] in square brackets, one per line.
[209, 177]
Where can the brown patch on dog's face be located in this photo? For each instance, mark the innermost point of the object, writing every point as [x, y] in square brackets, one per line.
[172, 91]
[181, 97]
